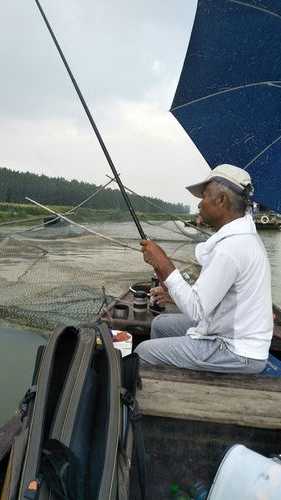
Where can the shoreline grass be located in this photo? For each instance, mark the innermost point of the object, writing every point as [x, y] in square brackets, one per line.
[12, 212]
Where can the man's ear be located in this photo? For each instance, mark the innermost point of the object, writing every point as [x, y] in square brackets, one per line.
[222, 199]
[225, 201]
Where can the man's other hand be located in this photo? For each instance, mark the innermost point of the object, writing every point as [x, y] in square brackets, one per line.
[160, 296]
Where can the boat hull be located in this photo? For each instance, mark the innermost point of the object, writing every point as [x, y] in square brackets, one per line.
[182, 452]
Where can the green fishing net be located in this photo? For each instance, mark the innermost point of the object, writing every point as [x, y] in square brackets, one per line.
[64, 275]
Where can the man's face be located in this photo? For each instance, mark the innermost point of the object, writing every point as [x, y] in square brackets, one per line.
[209, 207]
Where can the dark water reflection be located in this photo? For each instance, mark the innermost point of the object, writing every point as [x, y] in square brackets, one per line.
[17, 357]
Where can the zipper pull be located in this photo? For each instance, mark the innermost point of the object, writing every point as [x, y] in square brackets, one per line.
[32, 490]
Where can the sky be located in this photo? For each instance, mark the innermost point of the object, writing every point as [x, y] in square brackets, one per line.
[126, 57]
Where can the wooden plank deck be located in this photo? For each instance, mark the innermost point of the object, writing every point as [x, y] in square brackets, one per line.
[253, 401]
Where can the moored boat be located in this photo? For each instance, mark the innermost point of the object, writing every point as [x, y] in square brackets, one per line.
[267, 220]
[263, 221]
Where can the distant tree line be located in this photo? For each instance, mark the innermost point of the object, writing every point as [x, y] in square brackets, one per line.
[15, 186]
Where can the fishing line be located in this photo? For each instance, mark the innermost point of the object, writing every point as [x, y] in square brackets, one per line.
[191, 236]
[154, 205]
[41, 226]
[93, 124]
[95, 233]
[89, 197]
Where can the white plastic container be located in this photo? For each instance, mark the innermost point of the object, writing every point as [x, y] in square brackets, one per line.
[245, 475]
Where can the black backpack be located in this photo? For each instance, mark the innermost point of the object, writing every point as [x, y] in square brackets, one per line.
[79, 422]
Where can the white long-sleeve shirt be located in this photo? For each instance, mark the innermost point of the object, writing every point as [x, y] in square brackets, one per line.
[232, 297]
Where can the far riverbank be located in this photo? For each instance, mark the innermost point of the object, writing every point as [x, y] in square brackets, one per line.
[17, 212]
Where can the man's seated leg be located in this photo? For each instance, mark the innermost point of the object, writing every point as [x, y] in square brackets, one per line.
[170, 325]
[202, 355]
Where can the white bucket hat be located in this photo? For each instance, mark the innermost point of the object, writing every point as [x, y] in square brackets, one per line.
[234, 178]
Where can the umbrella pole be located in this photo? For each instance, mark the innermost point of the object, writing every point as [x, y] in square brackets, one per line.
[94, 127]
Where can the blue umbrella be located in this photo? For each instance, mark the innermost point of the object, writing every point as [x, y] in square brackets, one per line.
[228, 97]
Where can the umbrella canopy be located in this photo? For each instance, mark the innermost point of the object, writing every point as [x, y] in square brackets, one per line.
[229, 94]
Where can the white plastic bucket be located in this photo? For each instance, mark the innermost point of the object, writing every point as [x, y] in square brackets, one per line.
[245, 475]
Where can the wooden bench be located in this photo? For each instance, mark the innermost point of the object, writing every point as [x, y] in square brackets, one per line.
[252, 400]
[243, 400]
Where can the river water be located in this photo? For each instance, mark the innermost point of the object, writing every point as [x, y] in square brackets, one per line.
[18, 353]
[114, 267]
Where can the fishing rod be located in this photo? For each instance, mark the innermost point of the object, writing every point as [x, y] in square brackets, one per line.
[93, 124]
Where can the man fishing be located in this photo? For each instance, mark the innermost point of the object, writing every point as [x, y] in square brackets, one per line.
[225, 322]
